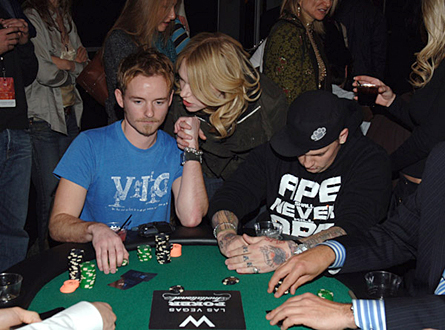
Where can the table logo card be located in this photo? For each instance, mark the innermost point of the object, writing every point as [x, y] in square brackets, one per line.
[197, 310]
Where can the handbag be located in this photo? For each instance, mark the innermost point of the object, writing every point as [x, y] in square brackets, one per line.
[92, 79]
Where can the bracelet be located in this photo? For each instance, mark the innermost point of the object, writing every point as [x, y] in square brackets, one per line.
[191, 154]
[301, 248]
[215, 230]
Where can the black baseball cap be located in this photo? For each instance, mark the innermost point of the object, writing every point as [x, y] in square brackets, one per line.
[315, 120]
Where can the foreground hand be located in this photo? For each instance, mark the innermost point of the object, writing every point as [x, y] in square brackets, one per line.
[22, 26]
[313, 312]
[301, 268]
[81, 55]
[188, 132]
[10, 317]
[386, 95]
[110, 251]
[108, 317]
[262, 255]
[228, 240]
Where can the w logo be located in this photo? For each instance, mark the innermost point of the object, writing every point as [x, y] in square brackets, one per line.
[197, 323]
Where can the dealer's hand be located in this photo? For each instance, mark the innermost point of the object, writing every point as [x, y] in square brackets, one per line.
[313, 312]
[188, 132]
[301, 268]
[10, 317]
[110, 251]
[262, 255]
[108, 317]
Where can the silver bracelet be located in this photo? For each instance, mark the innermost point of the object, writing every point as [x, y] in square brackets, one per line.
[215, 230]
[301, 248]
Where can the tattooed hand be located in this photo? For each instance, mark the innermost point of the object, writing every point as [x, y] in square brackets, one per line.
[262, 254]
[228, 241]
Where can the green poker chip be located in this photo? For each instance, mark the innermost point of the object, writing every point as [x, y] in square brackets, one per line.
[325, 294]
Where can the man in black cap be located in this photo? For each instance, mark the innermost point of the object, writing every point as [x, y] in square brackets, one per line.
[320, 178]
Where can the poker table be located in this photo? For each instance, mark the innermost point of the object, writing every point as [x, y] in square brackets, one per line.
[201, 267]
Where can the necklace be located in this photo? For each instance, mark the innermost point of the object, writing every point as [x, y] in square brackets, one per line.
[321, 65]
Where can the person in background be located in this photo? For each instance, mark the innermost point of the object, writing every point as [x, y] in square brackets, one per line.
[367, 36]
[129, 168]
[293, 55]
[19, 66]
[149, 23]
[81, 316]
[238, 107]
[54, 103]
[423, 114]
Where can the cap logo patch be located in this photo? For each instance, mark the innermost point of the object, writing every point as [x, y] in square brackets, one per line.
[318, 134]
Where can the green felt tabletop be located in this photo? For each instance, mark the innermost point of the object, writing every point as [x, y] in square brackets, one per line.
[199, 268]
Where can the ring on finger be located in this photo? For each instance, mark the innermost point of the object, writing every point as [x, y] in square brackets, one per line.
[255, 270]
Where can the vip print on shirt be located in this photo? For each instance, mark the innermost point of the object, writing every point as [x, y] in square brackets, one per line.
[305, 207]
[148, 190]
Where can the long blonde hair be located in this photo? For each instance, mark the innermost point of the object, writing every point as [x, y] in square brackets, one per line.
[140, 19]
[291, 6]
[218, 66]
[429, 58]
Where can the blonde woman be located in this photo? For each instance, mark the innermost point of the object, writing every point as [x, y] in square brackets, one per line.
[141, 23]
[293, 57]
[424, 114]
[239, 108]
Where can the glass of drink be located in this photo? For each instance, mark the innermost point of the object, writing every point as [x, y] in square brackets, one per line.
[269, 229]
[116, 227]
[382, 284]
[10, 285]
[367, 93]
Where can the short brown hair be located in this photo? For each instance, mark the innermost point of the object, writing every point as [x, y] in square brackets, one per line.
[147, 62]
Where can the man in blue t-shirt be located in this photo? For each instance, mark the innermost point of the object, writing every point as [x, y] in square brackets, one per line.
[129, 167]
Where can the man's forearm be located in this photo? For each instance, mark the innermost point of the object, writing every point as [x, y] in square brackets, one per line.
[192, 197]
[322, 236]
[67, 228]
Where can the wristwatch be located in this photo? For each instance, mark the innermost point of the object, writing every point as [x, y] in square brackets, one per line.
[191, 154]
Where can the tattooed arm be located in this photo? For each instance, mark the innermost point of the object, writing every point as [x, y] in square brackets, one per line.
[322, 236]
[225, 224]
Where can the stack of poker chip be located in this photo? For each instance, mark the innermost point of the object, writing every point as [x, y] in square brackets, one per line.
[144, 253]
[75, 258]
[162, 248]
[88, 275]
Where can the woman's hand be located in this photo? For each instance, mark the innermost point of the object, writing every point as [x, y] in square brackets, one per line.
[62, 64]
[81, 55]
[386, 95]
[188, 132]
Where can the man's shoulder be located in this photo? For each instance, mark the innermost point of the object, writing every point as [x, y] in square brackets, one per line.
[362, 150]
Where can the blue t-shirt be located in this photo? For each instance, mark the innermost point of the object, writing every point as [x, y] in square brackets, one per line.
[120, 178]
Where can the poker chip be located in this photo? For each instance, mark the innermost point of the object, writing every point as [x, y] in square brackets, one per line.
[75, 258]
[277, 286]
[177, 289]
[325, 294]
[162, 242]
[231, 280]
[124, 263]
[88, 275]
[144, 253]
[69, 286]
